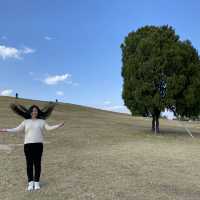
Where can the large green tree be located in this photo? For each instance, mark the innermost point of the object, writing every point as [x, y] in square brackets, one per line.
[160, 71]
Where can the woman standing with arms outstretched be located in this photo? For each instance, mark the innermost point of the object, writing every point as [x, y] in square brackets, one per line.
[33, 126]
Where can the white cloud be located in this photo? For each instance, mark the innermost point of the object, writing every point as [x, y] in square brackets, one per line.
[7, 92]
[9, 52]
[48, 38]
[60, 93]
[12, 52]
[53, 80]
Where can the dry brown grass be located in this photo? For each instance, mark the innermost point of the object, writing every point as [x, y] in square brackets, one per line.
[103, 156]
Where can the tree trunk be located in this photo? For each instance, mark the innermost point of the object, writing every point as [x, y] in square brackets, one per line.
[155, 123]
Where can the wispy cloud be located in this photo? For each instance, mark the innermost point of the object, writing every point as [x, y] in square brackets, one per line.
[6, 92]
[35, 77]
[108, 105]
[53, 80]
[118, 108]
[115, 107]
[31, 73]
[107, 102]
[75, 84]
[4, 37]
[7, 52]
[60, 93]
[27, 50]
[48, 38]
[70, 82]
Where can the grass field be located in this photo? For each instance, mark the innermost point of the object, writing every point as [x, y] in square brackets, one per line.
[102, 155]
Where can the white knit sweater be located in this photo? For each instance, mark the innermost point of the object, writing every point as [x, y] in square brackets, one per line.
[34, 129]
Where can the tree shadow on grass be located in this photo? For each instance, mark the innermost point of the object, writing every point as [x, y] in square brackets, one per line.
[170, 132]
[178, 132]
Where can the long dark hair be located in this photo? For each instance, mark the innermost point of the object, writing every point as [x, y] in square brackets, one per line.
[43, 113]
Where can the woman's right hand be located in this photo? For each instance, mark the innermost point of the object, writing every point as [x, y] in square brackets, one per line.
[3, 130]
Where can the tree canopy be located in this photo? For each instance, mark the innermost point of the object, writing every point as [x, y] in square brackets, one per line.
[160, 71]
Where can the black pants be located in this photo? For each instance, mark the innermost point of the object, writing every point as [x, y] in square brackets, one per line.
[33, 153]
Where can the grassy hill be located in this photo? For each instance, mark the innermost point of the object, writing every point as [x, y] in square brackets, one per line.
[102, 155]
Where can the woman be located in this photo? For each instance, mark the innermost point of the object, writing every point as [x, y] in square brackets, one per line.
[33, 126]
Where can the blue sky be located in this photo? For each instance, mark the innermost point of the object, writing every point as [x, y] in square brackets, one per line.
[70, 49]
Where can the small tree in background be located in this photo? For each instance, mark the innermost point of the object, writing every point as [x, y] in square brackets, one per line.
[160, 71]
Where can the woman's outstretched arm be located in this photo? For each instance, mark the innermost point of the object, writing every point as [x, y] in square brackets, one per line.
[49, 128]
[19, 128]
